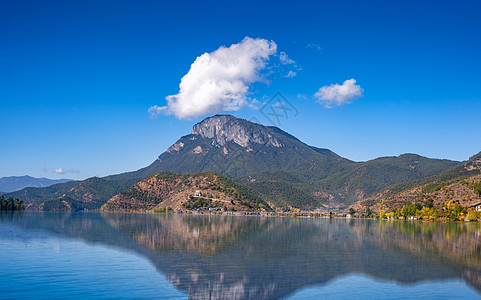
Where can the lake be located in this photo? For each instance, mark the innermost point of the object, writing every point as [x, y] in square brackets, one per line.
[93, 255]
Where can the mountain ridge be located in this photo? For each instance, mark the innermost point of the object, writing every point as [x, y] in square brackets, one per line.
[201, 190]
[458, 184]
[271, 162]
[14, 183]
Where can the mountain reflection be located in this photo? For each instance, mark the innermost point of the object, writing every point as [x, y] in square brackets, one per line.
[264, 258]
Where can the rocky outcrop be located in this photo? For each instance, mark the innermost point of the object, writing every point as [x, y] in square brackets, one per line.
[224, 128]
[198, 191]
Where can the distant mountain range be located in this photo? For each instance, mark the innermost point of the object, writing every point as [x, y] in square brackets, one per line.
[270, 163]
[88, 194]
[15, 183]
[461, 184]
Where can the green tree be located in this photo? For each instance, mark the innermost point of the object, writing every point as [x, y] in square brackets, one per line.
[10, 204]
[409, 210]
[3, 203]
[472, 216]
[368, 212]
[429, 203]
[452, 210]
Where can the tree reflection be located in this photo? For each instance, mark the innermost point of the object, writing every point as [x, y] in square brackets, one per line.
[263, 258]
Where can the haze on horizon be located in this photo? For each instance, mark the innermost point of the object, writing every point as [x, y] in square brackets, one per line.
[92, 89]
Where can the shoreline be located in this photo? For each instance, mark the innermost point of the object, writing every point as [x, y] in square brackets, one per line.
[303, 215]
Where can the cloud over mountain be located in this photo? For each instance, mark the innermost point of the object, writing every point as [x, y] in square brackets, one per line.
[336, 94]
[61, 170]
[219, 81]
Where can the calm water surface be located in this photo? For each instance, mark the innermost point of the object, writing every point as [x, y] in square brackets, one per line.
[90, 255]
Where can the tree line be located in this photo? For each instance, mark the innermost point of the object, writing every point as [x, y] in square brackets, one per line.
[11, 204]
[450, 211]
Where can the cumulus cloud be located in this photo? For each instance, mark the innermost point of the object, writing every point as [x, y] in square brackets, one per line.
[219, 81]
[336, 94]
[59, 171]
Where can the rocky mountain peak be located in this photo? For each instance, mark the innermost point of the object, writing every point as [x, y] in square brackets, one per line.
[211, 126]
[227, 128]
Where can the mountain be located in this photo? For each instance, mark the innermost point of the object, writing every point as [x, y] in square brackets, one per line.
[235, 147]
[461, 184]
[305, 189]
[258, 155]
[283, 193]
[272, 163]
[15, 183]
[88, 194]
[201, 190]
[374, 175]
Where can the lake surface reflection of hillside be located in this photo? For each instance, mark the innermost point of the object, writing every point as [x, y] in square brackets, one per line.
[264, 258]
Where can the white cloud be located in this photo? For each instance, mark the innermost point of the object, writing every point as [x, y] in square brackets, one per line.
[336, 95]
[60, 170]
[254, 104]
[287, 67]
[285, 59]
[219, 81]
[156, 110]
[291, 74]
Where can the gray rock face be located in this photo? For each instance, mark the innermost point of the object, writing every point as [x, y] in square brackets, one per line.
[223, 129]
[176, 147]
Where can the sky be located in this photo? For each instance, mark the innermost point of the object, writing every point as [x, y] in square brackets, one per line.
[93, 88]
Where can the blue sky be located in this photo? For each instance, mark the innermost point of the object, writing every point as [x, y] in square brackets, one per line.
[77, 77]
